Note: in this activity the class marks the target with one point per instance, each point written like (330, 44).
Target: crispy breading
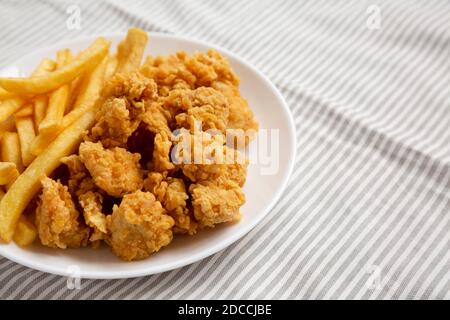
(156, 117)
(139, 226)
(216, 203)
(57, 219)
(116, 171)
(121, 112)
(188, 71)
(78, 174)
(171, 192)
(240, 116)
(205, 105)
(91, 202)
(161, 153)
(202, 156)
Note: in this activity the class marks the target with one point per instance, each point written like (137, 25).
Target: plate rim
(215, 248)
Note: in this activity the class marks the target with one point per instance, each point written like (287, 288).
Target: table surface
(367, 211)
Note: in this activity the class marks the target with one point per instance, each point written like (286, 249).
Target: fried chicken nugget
(240, 116)
(57, 219)
(203, 161)
(161, 153)
(205, 105)
(216, 203)
(157, 118)
(91, 202)
(139, 226)
(78, 175)
(171, 192)
(184, 71)
(125, 97)
(116, 171)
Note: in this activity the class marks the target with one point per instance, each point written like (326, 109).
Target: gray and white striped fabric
(367, 211)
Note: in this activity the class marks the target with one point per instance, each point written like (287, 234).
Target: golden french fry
(58, 99)
(6, 94)
(25, 111)
(131, 50)
(8, 125)
(28, 183)
(35, 85)
(11, 105)
(40, 108)
(111, 67)
(74, 90)
(25, 232)
(11, 149)
(89, 94)
(25, 130)
(46, 66)
(8, 172)
(42, 141)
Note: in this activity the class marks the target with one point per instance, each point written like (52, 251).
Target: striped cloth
(367, 212)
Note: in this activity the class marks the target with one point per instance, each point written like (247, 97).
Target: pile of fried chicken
(123, 187)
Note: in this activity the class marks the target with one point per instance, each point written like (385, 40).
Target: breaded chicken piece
(161, 153)
(116, 171)
(205, 157)
(205, 105)
(114, 123)
(240, 116)
(57, 219)
(188, 71)
(139, 226)
(119, 115)
(171, 192)
(216, 203)
(79, 179)
(91, 202)
(156, 118)
(135, 87)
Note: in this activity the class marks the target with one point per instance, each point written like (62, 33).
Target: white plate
(262, 190)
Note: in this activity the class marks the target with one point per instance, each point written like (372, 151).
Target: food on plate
(139, 226)
(99, 149)
(116, 171)
(25, 233)
(26, 132)
(28, 184)
(87, 60)
(8, 172)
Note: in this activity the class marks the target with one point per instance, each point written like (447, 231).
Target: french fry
(8, 172)
(75, 87)
(42, 84)
(28, 183)
(131, 50)
(25, 232)
(6, 94)
(40, 108)
(14, 103)
(44, 67)
(88, 95)
(58, 99)
(9, 106)
(7, 125)
(25, 111)
(25, 130)
(11, 149)
(111, 67)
